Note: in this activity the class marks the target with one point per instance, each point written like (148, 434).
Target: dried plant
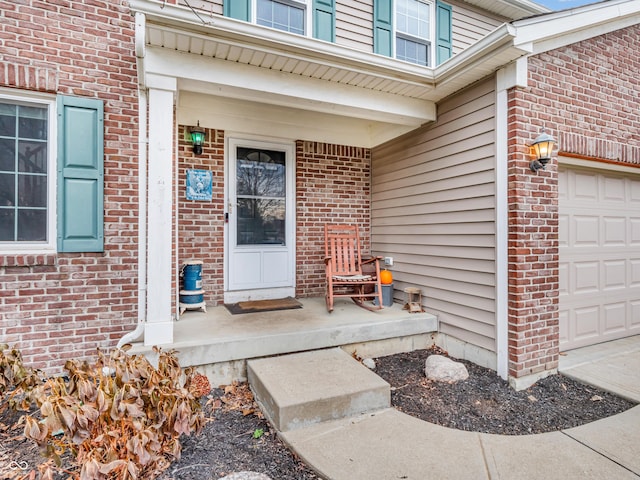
(121, 418)
(17, 382)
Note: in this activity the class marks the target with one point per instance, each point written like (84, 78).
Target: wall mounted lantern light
(542, 146)
(197, 138)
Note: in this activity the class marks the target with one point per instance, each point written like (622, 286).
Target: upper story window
(26, 177)
(303, 17)
(283, 15)
(413, 32)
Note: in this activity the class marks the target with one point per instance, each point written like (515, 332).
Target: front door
(260, 241)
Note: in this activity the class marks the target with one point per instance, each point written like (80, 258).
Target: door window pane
(261, 194)
(261, 221)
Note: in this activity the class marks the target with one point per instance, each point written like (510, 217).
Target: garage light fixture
(542, 147)
(197, 138)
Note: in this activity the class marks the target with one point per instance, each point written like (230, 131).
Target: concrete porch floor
(219, 343)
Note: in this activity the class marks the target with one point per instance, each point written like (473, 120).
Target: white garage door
(599, 230)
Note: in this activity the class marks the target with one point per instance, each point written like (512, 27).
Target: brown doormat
(263, 305)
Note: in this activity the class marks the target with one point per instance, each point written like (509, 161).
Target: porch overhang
(227, 70)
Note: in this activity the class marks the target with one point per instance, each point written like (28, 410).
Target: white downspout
(138, 333)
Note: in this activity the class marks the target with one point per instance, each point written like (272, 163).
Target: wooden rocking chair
(344, 268)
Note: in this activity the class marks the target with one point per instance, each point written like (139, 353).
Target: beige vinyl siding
(470, 25)
(433, 210)
(354, 24)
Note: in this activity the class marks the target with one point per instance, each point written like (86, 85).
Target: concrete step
(302, 389)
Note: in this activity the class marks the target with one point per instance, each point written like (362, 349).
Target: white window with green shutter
(303, 17)
(413, 30)
(51, 174)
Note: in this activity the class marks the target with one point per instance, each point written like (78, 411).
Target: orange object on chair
(344, 264)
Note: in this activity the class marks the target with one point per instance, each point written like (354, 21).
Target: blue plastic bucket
(191, 296)
(192, 275)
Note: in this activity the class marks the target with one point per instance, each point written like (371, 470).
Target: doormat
(255, 306)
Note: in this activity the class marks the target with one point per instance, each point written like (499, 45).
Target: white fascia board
(492, 52)
(234, 80)
(559, 29)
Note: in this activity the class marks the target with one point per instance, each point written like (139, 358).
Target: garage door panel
(635, 231)
(586, 277)
(613, 189)
(634, 322)
(586, 231)
(599, 269)
(615, 276)
(615, 316)
(585, 186)
(634, 192)
(587, 322)
(615, 231)
(635, 273)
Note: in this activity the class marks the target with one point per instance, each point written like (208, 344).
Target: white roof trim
(558, 29)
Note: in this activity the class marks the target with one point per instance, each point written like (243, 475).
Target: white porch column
(159, 325)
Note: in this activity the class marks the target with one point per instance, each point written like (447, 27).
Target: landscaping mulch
(237, 438)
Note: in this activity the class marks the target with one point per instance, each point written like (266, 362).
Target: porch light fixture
(542, 147)
(197, 138)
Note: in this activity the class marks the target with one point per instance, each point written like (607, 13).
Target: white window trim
(50, 246)
(308, 16)
(432, 33)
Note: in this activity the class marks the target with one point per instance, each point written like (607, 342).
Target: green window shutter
(324, 20)
(238, 9)
(444, 45)
(80, 175)
(383, 27)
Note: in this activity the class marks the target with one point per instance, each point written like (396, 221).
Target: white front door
(260, 240)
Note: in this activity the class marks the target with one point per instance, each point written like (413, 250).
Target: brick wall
(60, 306)
(333, 185)
(201, 223)
(586, 96)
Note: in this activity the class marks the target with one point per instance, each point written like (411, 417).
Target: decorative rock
(369, 363)
(246, 476)
(443, 369)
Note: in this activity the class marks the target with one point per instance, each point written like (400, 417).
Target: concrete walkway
(390, 445)
(612, 366)
(386, 444)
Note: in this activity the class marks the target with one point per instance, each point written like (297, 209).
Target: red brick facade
(201, 224)
(333, 185)
(585, 95)
(60, 306)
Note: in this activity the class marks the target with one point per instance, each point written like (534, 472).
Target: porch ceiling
(226, 58)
